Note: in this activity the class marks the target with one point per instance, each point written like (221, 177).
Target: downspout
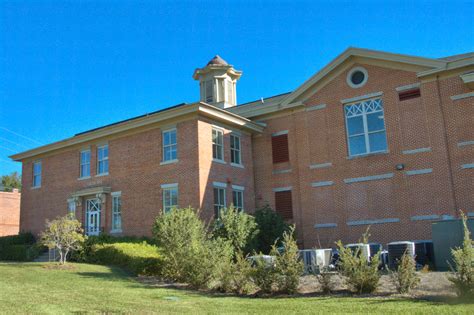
(446, 142)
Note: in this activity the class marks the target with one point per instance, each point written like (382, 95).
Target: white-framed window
(209, 89)
(235, 153)
(116, 212)
(217, 144)
(357, 77)
(103, 160)
(85, 170)
(219, 200)
(365, 125)
(170, 197)
(170, 146)
(71, 207)
(238, 199)
(37, 174)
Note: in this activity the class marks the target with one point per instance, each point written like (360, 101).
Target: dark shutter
(283, 204)
(406, 95)
(280, 149)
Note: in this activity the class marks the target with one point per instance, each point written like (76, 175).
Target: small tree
(325, 281)
(288, 266)
(235, 226)
(361, 276)
(463, 257)
(65, 234)
(271, 227)
(9, 182)
(405, 277)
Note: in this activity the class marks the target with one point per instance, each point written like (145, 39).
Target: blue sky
(69, 66)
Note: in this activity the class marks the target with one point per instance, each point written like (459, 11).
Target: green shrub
(190, 255)
(237, 227)
(288, 266)
(19, 247)
(19, 252)
(236, 276)
(271, 227)
(83, 254)
(138, 258)
(20, 239)
(263, 274)
(361, 276)
(463, 271)
(405, 277)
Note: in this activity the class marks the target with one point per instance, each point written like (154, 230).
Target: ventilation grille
(406, 95)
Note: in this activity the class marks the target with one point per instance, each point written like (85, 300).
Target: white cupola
(217, 81)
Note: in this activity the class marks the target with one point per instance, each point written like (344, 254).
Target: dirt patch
(432, 284)
(56, 266)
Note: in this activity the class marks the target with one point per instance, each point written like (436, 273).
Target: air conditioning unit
(269, 260)
(375, 248)
(364, 249)
(424, 253)
(396, 251)
(315, 259)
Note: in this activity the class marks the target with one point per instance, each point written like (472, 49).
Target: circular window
(357, 77)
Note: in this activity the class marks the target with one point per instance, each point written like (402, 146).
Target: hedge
(19, 247)
(138, 258)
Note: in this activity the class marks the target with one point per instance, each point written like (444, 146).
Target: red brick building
(9, 212)
(374, 138)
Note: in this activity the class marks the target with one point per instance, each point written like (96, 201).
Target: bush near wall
(19, 247)
(85, 252)
(138, 258)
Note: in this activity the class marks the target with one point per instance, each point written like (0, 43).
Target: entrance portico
(91, 208)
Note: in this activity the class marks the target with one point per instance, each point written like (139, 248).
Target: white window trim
(104, 159)
(366, 130)
(243, 198)
(221, 130)
(237, 187)
(219, 185)
(166, 187)
(351, 72)
(280, 133)
(169, 145)
(282, 189)
(33, 186)
(81, 164)
(234, 135)
(116, 194)
(224, 204)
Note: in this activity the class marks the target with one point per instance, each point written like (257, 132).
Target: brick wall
(416, 139)
(9, 213)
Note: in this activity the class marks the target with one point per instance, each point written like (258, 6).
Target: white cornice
(197, 108)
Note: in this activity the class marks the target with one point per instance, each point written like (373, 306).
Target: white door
(93, 216)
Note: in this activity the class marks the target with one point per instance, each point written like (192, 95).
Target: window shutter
(283, 204)
(406, 95)
(280, 149)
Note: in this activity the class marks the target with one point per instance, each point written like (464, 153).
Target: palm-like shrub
(361, 276)
(288, 266)
(405, 277)
(463, 257)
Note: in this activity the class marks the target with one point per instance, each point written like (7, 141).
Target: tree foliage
(190, 254)
(271, 227)
(237, 227)
(9, 182)
(361, 276)
(405, 277)
(64, 234)
(463, 257)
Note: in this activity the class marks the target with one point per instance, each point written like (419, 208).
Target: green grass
(31, 288)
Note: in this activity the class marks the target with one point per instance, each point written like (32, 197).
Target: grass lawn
(31, 288)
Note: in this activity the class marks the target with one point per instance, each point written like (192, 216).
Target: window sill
(115, 231)
(103, 174)
(219, 161)
(169, 162)
(35, 187)
(367, 155)
(84, 178)
(237, 165)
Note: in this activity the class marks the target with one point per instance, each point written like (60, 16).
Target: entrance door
(93, 216)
